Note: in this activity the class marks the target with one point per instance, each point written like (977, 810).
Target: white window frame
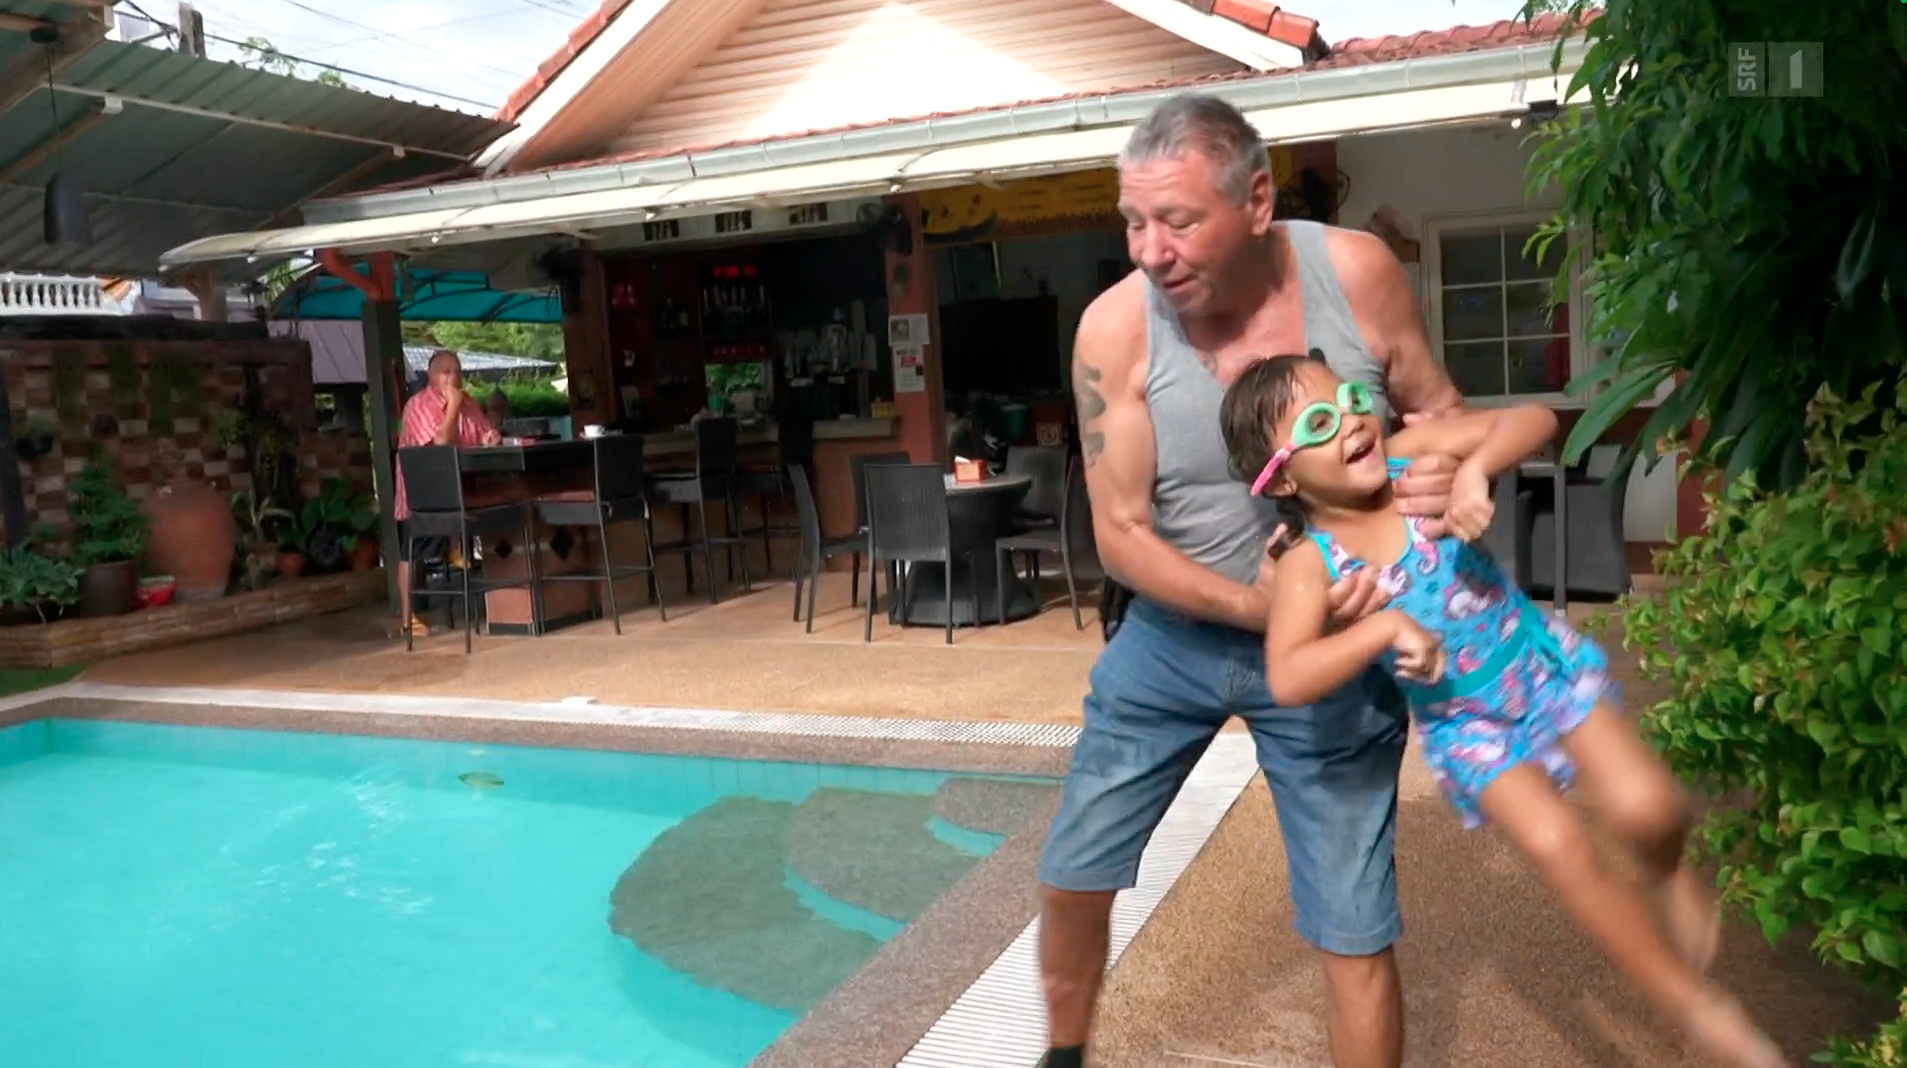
(1580, 359)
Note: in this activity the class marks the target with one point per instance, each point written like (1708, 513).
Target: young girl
(1509, 703)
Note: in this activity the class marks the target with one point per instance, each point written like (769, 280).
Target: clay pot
(109, 589)
(191, 539)
(364, 557)
(291, 564)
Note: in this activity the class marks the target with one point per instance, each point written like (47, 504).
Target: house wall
(800, 65)
(1428, 175)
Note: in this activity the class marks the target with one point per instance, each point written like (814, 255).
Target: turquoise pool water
(177, 896)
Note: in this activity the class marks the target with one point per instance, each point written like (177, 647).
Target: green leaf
(1856, 840)
(1857, 254)
(1882, 947)
(1826, 735)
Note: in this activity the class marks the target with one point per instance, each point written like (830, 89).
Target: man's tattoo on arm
(1092, 440)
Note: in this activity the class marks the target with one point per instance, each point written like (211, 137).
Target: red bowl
(156, 593)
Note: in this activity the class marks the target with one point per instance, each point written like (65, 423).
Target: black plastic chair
(794, 442)
(1045, 499)
(433, 482)
(714, 479)
(1072, 537)
(857, 480)
(817, 548)
(907, 523)
(620, 496)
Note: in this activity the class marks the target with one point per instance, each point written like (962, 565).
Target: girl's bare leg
(1526, 807)
(1636, 794)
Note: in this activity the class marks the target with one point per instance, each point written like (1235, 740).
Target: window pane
(1539, 365)
(1472, 258)
(1477, 369)
(1522, 264)
(1471, 314)
(1529, 314)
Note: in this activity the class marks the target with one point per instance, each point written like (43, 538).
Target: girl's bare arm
(1304, 660)
(1491, 439)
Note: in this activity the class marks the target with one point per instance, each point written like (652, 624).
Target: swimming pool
(213, 897)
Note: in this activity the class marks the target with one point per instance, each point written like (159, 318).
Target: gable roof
(1351, 52)
(1259, 16)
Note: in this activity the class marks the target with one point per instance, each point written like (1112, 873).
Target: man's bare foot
(1721, 1028)
(1692, 918)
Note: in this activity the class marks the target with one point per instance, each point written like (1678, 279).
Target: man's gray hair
(444, 354)
(1199, 122)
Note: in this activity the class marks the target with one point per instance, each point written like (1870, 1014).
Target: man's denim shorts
(1160, 692)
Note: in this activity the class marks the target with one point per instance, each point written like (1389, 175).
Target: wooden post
(384, 347)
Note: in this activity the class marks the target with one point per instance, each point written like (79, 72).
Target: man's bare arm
(1393, 325)
(1115, 432)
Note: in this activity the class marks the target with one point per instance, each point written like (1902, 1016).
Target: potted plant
(338, 525)
(35, 586)
(109, 535)
(37, 439)
(256, 546)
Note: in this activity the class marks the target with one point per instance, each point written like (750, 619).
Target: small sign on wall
(910, 368)
(907, 330)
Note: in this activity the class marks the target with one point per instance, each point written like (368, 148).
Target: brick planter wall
(79, 641)
(117, 416)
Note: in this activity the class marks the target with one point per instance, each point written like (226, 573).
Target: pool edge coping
(999, 1020)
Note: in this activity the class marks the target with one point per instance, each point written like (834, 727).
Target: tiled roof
(1508, 33)
(1286, 27)
(579, 39)
(1357, 51)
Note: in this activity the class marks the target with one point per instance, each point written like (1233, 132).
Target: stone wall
(157, 410)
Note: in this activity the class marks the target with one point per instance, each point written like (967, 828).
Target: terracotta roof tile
(579, 39)
(1458, 39)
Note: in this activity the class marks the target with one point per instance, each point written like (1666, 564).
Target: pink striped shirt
(423, 414)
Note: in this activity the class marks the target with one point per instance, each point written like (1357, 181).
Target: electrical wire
(348, 72)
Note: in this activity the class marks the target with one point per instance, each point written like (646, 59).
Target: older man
(1222, 284)
(440, 414)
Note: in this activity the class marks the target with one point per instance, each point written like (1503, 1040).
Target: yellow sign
(1086, 200)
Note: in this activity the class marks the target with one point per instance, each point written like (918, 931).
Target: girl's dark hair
(1253, 405)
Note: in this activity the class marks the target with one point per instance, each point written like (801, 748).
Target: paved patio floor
(1497, 978)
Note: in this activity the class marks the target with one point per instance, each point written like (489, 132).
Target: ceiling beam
(21, 23)
(265, 124)
(29, 72)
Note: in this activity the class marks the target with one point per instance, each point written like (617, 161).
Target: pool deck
(1495, 976)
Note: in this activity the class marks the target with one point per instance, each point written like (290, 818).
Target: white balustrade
(53, 294)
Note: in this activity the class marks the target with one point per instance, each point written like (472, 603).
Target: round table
(978, 514)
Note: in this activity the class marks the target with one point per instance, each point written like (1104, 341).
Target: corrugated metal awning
(169, 148)
(1008, 157)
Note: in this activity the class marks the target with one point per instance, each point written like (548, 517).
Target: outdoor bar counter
(542, 469)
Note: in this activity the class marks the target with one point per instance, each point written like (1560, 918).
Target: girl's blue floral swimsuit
(1516, 681)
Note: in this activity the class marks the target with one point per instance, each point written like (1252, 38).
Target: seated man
(440, 414)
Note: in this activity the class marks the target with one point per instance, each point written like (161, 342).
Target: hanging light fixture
(63, 217)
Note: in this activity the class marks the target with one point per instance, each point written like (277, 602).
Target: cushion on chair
(581, 496)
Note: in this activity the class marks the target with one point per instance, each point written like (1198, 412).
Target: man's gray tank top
(1198, 508)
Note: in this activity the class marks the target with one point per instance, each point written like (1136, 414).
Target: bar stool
(794, 441)
(713, 479)
(620, 496)
(433, 482)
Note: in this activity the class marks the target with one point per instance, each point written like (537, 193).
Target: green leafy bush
(530, 398)
(1782, 638)
(107, 526)
(33, 582)
(1749, 248)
